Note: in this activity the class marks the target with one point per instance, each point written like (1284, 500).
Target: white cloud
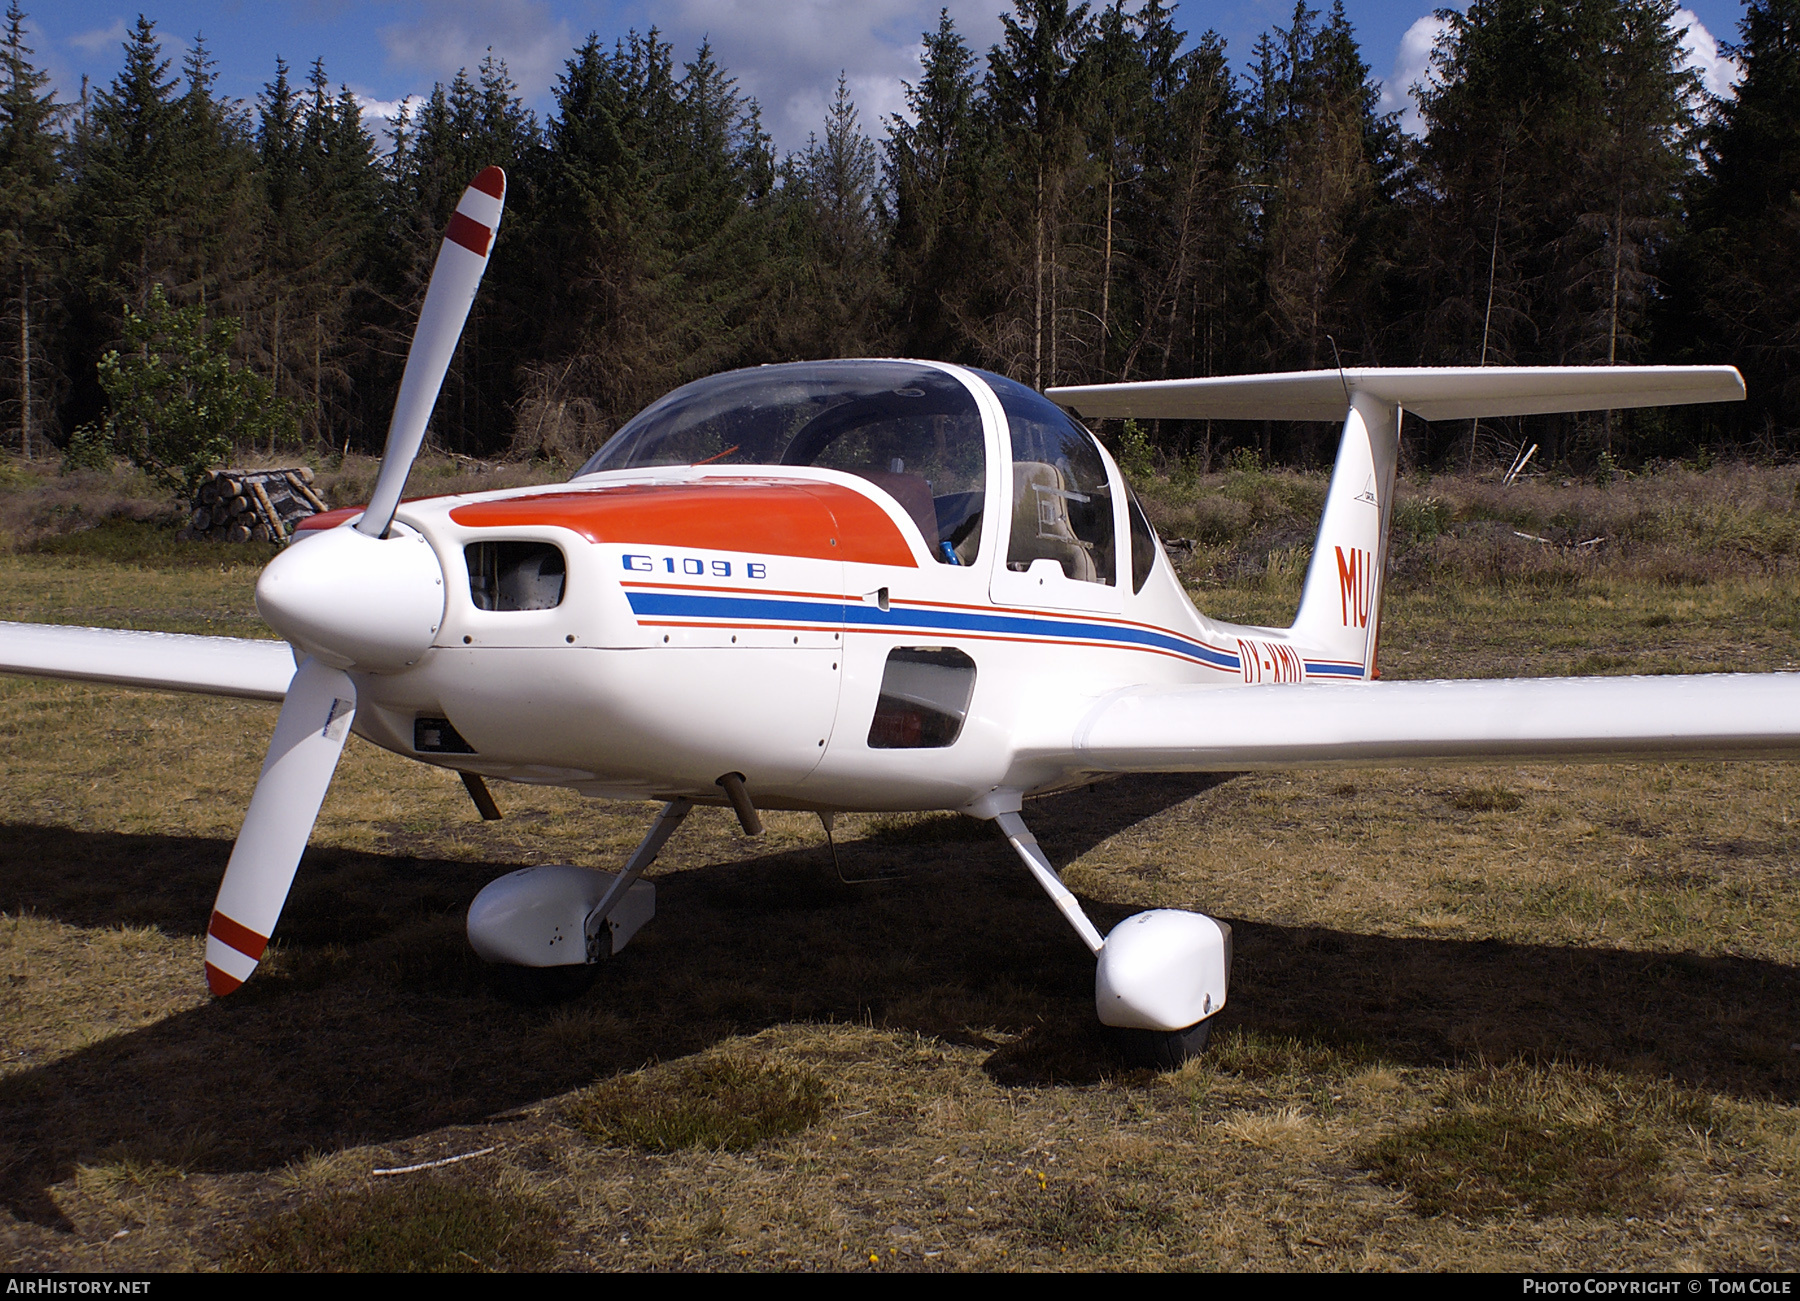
(378, 114)
(1718, 74)
(100, 38)
(1412, 67)
(787, 54)
(448, 35)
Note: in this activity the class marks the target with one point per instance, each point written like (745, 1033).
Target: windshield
(911, 430)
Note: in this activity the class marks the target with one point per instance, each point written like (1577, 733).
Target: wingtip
(492, 180)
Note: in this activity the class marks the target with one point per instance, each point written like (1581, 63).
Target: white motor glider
(863, 585)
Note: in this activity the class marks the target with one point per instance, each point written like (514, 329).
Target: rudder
(1340, 606)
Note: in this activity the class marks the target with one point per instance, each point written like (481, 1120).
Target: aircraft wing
(1236, 729)
(1430, 392)
(161, 661)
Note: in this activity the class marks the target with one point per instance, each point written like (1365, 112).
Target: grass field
(1481, 1018)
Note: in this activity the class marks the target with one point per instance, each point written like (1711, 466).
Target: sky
(786, 53)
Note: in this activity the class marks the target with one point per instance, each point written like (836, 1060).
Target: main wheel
(1162, 1050)
(542, 986)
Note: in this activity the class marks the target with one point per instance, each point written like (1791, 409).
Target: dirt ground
(1481, 1018)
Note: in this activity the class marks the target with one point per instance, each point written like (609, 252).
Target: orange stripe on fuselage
(817, 521)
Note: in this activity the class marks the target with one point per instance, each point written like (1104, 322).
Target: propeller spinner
(369, 598)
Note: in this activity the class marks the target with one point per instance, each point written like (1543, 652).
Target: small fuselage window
(515, 575)
(925, 693)
(1143, 543)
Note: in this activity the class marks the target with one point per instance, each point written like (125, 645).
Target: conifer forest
(1095, 198)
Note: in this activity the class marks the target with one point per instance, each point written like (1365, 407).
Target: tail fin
(1340, 607)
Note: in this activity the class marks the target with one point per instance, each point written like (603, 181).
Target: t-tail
(1339, 623)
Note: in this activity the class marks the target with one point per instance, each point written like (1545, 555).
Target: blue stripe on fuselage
(683, 605)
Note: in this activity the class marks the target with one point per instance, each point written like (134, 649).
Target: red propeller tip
(491, 181)
(220, 983)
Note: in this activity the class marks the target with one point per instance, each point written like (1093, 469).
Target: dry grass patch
(1253, 1055)
(1560, 1141)
(1109, 1220)
(1284, 1127)
(425, 1226)
(723, 1102)
(1485, 799)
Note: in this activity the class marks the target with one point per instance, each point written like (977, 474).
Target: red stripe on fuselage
(739, 591)
(812, 521)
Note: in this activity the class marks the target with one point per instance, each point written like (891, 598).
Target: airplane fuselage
(718, 620)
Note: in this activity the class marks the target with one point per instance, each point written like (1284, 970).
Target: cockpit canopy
(914, 431)
(911, 429)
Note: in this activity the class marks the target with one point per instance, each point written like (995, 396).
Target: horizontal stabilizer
(1432, 393)
(161, 661)
(1400, 724)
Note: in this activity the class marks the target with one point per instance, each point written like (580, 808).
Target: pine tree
(1180, 296)
(321, 185)
(129, 190)
(1321, 157)
(1037, 79)
(454, 135)
(719, 190)
(837, 292)
(607, 254)
(1741, 258)
(939, 245)
(31, 207)
(217, 239)
(1558, 139)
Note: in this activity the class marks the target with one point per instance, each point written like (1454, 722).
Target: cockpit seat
(1041, 529)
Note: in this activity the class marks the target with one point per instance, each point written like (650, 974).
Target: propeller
(303, 755)
(464, 256)
(347, 599)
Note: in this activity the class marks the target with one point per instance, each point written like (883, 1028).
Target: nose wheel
(542, 986)
(1161, 976)
(1161, 1050)
(546, 929)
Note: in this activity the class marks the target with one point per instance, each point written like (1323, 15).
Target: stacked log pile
(253, 505)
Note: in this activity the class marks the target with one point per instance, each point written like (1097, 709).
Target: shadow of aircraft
(373, 1023)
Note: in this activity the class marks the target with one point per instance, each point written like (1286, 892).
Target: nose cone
(355, 601)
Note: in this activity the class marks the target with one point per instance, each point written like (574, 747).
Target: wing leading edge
(1199, 729)
(160, 661)
(1431, 392)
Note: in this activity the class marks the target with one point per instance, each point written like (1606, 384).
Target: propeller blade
(309, 737)
(464, 256)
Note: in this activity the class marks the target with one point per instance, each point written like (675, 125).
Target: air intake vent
(436, 736)
(515, 575)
